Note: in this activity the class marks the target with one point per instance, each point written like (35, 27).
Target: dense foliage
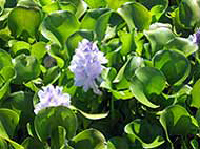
(95, 74)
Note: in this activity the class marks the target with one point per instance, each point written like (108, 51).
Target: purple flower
(196, 37)
(52, 97)
(87, 65)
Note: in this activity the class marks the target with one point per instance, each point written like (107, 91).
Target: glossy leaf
(27, 68)
(135, 15)
(175, 66)
(8, 126)
(89, 138)
(137, 89)
(89, 20)
(48, 120)
(152, 79)
(95, 3)
(57, 27)
(128, 43)
(157, 7)
(176, 120)
(188, 12)
(27, 28)
(141, 128)
(38, 50)
(158, 35)
(5, 59)
(2, 3)
(101, 25)
(185, 46)
(19, 46)
(117, 3)
(117, 142)
(195, 95)
(91, 116)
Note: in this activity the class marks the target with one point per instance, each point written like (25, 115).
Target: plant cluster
(97, 74)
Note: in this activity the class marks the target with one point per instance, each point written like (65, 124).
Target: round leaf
(158, 35)
(135, 15)
(141, 128)
(5, 59)
(90, 139)
(27, 28)
(27, 68)
(57, 27)
(48, 120)
(8, 124)
(176, 120)
(174, 65)
(152, 79)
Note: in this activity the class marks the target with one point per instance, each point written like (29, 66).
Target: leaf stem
(112, 108)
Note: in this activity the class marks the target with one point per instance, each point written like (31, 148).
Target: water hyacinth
(196, 37)
(87, 65)
(51, 96)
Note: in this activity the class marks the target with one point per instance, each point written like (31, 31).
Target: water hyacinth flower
(51, 96)
(87, 65)
(196, 37)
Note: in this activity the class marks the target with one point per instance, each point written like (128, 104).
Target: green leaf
(132, 65)
(158, 35)
(48, 120)
(91, 116)
(185, 46)
(31, 142)
(175, 66)
(137, 89)
(51, 7)
(90, 139)
(19, 46)
(188, 13)
(135, 15)
(3, 18)
(4, 89)
(117, 3)
(101, 25)
(38, 50)
(176, 120)
(58, 54)
(27, 28)
(195, 144)
(12, 143)
(120, 74)
(117, 142)
(8, 125)
(10, 3)
(109, 74)
(157, 7)
(125, 94)
(195, 95)
(8, 73)
(51, 75)
(2, 3)
(95, 3)
(27, 68)
(21, 101)
(5, 59)
(128, 43)
(142, 128)
(3, 144)
(57, 27)
(78, 4)
(90, 19)
(152, 79)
